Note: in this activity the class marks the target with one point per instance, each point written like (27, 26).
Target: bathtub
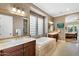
(44, 45)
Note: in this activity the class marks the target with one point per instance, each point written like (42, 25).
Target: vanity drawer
(14, 53)
(12, 49)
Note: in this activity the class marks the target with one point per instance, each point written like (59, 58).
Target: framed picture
(60, 25)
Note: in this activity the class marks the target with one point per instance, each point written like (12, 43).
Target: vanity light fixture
(17, 11)
(67, 9)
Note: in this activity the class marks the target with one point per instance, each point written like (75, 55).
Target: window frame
(38, 15)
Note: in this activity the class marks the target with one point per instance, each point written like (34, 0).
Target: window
(36, 24)
(33, 25)
(40, 26)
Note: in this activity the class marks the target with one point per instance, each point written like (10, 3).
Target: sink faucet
(16, 35)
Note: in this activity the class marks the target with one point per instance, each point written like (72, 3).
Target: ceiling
(58, 9)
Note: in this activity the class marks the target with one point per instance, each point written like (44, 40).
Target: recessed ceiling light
(67, 9)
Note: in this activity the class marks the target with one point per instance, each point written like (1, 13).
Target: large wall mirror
(12, 25)
(6, 25)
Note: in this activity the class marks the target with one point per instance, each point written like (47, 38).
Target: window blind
(33, 25)
(40, 26)
(36, 24)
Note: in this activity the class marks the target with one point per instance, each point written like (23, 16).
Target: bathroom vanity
(20, 47)
(54, 34)
(71, 35)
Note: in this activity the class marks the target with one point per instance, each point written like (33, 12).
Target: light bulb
(18, 11)
(67, 9)
(13, 9)
(23, 12)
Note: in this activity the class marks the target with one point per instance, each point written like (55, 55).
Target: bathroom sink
(4, 41)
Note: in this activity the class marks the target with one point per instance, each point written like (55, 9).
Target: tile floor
(66, 49)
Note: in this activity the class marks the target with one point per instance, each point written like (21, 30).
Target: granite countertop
(71, 32)
(7, 43)
(54, 32)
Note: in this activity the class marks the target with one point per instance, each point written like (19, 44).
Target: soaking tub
(44, 45)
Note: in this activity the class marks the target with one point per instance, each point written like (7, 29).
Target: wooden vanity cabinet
(26, 49)
(30, 48)
(13, 51)
(71, 36)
